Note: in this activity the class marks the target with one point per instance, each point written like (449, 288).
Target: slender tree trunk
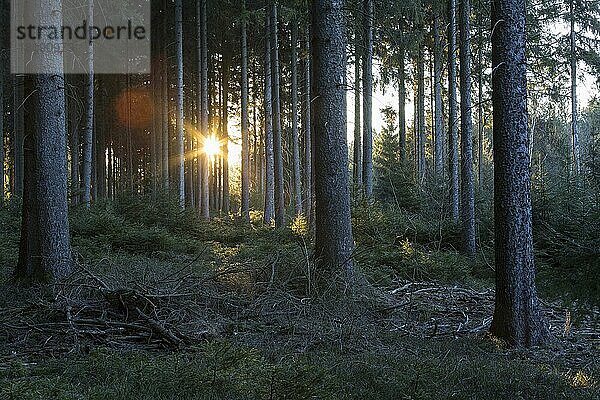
(333, 244)
(88, 133)
(453, 112)
(357, 157)
(308, 188)
(18, 135)
(165, 105)
(2, 82)
(517, 317)
(367, 161)
(269, 156)
(439, 122)
(277, 133)
(467, 179)
(204, 106)
(225, 140)
(245, 140)
(421, 131)
(480, 98)
(574, 122)
(44, 251)
(295, 130)
(179, 114)
(402, 103)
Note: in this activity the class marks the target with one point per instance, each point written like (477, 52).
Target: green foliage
(393, 179)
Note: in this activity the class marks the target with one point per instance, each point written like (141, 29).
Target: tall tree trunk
(467, 179)
(295, 131)
(438, 113)
(421, 130)
(453, 112)
(179, 114)
(333, 244)
(203, 39)
(44, 251)
(308, 188)
(480, 97)
(225, 130)
(357, 156)
(574, 122)
(88, 133)
(165, 104)
(245, 140)
(18, 135)
(269, 156)
(2, 82)
(277, 133)
(402, 103)
(517, 316)
(367, 161)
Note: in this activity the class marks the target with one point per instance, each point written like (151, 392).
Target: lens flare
(212, 146)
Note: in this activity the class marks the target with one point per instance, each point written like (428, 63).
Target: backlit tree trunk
(452, 112)
(245, 209)
(367, 156)
(269, 157)
(466, 136)
(295, 132)
(88, 133)
(179, 96)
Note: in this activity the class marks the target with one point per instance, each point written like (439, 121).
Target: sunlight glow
(212, 146)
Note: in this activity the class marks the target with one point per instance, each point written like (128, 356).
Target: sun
(212, 146)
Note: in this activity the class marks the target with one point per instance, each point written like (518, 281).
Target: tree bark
(402, 103)
(308, 188)
(333, 244)
(517, 317)
(357, 156)
(421, 133)
(439, 122)
(88, 133)
(295, 131)
(269, 156)
(18, 134)
(179, 111)
(367, 156)
(453, 113)
(44, 251)
(225, 131)
(277, 133)
(467, 179)
(203, 39)
(245, 209)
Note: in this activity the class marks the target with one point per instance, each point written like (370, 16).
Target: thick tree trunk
(357, 156)
(277, 133)
(333, 244)
(88, 133)
(367, 159)
(452, 113)
(44, 252)
(574, 123)
(467, 179)
(517, 317)
(269, 156)
(245, 209)
(308, 188)
(179, 111)
(295, 131)
(438, 113)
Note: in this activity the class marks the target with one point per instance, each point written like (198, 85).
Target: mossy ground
(131, 239)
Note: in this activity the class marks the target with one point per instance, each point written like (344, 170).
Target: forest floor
(163, 306)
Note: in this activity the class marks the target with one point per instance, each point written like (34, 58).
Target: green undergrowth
(409, 369)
